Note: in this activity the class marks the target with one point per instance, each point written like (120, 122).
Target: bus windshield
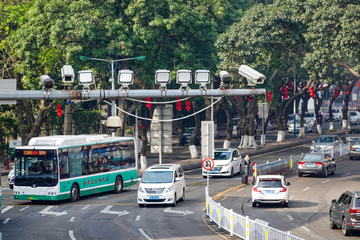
(36, 167)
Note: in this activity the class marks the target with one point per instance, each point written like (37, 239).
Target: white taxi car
(162, 184)
(270, 189)
(227, 162)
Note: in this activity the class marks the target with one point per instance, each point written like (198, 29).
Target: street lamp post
(113, 107)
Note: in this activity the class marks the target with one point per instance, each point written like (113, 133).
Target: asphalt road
(117, 216)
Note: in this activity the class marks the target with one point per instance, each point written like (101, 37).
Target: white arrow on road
(186, 212)
(46, 211)
(107, 210)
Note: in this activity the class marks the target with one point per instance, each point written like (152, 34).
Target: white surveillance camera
(47, 82)
(225, 77)
(67, 74)
(253, 76)
(113, 123)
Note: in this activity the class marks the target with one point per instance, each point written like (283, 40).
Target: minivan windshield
(354, 131)
(335, 110)
(309, 115)
(157, 177)
(353, 114)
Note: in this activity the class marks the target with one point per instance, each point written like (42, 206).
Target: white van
(162, 184)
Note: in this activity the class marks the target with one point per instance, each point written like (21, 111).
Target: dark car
(187, 134)
(345, 212)
(316, 163)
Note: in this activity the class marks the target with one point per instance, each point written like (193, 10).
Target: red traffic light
(178, 104)
(59, 110)
(148, 105)
(188, 105)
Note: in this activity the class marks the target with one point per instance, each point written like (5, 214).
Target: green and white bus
(68, 167)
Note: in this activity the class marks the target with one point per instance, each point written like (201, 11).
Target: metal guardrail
(283, 166)
(242, 226)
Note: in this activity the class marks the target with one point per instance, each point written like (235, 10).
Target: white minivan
(162, 184)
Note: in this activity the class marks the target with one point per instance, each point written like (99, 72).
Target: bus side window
(64, 164)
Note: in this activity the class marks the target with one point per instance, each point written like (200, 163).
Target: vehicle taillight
(301, 163)
(284, 189)
(352, 149)
(354, 211)
(255, 189)
(320, 164)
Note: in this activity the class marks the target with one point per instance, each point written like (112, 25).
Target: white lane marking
(194, 188)
(325, 181)
(346, 175)
(306, 229)
(24, 208)
(306, 189)
(102, 197)
(203, 180)
(144, 234)
(85, 207)
(6, 220)
(291, 197)
(304, 145)
(71, 234)
(72, 219)
(6, 209)
(138, 218)
(290, 217)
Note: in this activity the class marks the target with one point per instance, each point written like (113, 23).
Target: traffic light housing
(59, 110)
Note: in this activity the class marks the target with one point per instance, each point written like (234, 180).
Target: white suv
(162, 184)
(270, 189)
(227, 162)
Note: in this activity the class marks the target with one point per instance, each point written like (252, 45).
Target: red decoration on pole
(148, 105)
(268, 96)
(249, 98)
(178, 104)
(285, 92)
(188, 105)
(59, 110)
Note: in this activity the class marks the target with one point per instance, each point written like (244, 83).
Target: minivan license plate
(154, 197)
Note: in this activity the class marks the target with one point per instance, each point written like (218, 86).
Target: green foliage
(87, 122)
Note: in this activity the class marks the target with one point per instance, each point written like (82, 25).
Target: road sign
(208, 163)
(161, 132)
(263, 110)
(8, 85)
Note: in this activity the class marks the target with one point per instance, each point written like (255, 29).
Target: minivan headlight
(169, 189)
(141, 189)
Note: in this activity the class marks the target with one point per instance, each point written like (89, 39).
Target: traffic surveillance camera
(225, 77)
(253, 77)
(67, 74)
(47, 82)
(113, 123)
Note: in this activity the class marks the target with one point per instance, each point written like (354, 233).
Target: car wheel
(286, 204)
(345, 230)
(11, 186)
(253, 204)
(300, 174)
(232, 173)
(118, 184)
(183, 196)
(332, 224)
(306, 130)
(325, 173)
(141, 205)
(74, 193)
(174, 203)
(333, 172)
(351, 158)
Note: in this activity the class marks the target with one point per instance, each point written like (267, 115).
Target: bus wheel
(118, 184)
(74, 193)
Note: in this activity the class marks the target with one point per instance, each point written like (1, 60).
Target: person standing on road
(247, 163)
